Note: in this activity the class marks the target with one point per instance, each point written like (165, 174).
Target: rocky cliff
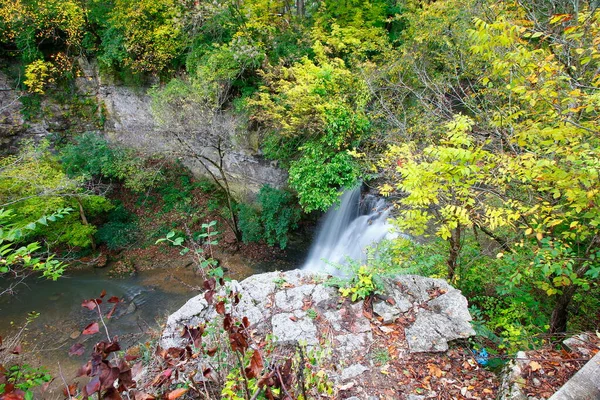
(127, 118)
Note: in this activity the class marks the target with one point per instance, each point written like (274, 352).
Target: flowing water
(347, 231)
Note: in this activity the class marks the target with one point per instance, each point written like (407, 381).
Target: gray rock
(387, 312)
(511, 385)
(288, 327)
(578, 343)
(432, 332)
(292, 299)
(415, 397)
(353, 371)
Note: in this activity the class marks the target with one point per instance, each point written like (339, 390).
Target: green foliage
(16, 255)
(91, 156)
(33, 184)
(361, 285)
(152, 32)
(275, 218)
(25, 377)
(120, 230)
(200, 248)
(278, 215)
(249, 223)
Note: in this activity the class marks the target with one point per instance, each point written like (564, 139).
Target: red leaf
(91, 329)
(211, 352)
(114, 299)
(177, 393)
(111, 312)
(102, 294)
(293, 318)
(17, 349)
(256, 366)
(76, 350)
(209, 295)
(92, 387)
(206, 372)
(112, 394)
(89, 304)
(245, 322)
(220, 307)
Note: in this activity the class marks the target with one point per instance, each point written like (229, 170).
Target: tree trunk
(560, 314)
(454, 241)
(84, 221)
(300, 8)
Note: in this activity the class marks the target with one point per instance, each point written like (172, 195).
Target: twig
(62, 377)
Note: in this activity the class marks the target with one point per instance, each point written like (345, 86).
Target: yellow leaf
(539, 236)
(534, 365)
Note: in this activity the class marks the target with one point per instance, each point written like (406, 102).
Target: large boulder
(298, 306)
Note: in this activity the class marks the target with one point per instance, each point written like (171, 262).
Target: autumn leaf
(102, 294)
(114, 299)
(177, 393)
(534, 365)
(17, 349)
(89, 304)
(91, 329)
(256, 365)
(434, 370)
(70, 390)
(76, 350)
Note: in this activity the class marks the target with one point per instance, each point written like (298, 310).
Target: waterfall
(347, 230)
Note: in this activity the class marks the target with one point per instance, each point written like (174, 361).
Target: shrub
(120, 230)
(279, 216)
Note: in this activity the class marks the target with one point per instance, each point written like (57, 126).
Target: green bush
(249, 223)
(276, 218)
(92, 156)
(120, 230)
(279, 215)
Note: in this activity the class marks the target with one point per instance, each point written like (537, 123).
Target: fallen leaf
(177, 393)
(17, 349)
(534, 365)
(435, 370)
(293, 318)
(102, 294)
(77, 349)
(347, 386)
(386, 329)
(89, 304)
(91, 329)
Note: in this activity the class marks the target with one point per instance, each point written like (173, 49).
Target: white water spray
(347, 231)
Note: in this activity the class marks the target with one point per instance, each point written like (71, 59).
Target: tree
(152, 32)
(315, 112)
(200, 132)
(535, 116)
(448, 187)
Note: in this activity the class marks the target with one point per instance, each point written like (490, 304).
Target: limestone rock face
(298, 306)
(131, 122)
